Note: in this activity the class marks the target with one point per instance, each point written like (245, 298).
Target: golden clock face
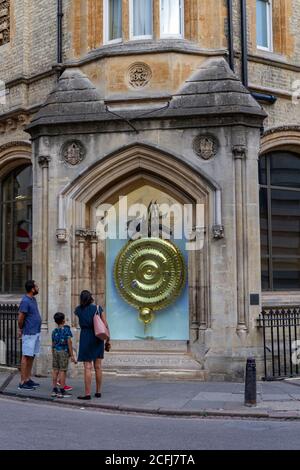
(150, 273)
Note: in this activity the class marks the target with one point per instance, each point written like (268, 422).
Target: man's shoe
(98, 395)
(85, 397)
(33, 384)
(25, 386)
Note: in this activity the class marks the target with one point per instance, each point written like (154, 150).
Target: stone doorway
(143, 175)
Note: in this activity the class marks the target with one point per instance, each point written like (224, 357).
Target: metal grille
(281, 338)
(10, 345)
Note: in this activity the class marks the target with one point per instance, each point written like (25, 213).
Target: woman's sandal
(85, 397)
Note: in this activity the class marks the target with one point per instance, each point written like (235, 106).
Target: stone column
(94, 243)
(193, 295)
(78, 266)
(44, 165)
(239, 154)
(81, 235)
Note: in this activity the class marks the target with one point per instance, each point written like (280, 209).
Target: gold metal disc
(150, 273)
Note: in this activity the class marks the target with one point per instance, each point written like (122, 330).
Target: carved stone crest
(73, 152)
(4, 21)
(205, 146)
(139, 75)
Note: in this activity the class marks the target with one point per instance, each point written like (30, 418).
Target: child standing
(62, 350)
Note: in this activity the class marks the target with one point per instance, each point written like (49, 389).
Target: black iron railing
(281, 340)
(10, 344)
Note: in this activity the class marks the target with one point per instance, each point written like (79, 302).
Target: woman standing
(91, 348)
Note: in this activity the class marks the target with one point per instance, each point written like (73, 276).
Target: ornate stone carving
(239, 151)
(139, 75)
(92, 235)
(218, 232)
(85, 233)
(81, 233)
(11, 125)
(73, 152)
(205, 146)
(4, 21)
(61, 235)
(44, 161)
(18, 121)
(14, 143)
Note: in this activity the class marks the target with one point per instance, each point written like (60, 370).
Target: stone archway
(115, 175)
(13, 155)
(281, 138)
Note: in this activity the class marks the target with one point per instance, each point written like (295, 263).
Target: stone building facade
(103, 99)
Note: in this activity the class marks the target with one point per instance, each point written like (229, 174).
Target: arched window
(279, 177)
(16, 230)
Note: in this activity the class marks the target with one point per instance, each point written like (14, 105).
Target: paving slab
(218, 396)
(174, 397)
(276, 397)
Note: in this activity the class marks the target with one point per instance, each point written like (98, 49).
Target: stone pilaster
(93, 242)
(239, 154)
(44, 166)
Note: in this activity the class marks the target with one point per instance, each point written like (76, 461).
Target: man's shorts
(60, 360)
(31, 345)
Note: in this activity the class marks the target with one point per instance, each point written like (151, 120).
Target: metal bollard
(250, 382)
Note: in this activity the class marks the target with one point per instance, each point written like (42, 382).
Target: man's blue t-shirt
(33, 321)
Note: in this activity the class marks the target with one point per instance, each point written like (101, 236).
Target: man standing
(29, 322)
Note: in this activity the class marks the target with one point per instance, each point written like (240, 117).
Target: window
(279, 174)
(141, 19)
(113, 20)
(264, 24)
(171, 18)
(16, 230)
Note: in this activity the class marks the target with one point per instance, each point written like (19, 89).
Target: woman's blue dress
(90, 347)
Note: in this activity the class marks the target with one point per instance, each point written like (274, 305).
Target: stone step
(156, 360)
(149, 345)
(153, 365)
(171, 374)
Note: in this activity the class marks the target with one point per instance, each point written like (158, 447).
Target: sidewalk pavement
(175, 397)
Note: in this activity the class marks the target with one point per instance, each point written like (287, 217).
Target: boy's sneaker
(63, 394)
(25, 386)
(33, 384)
(55, 392)
(67, 388)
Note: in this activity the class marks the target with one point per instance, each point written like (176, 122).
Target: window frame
(3, 263)
(106, 25)
(269, 187)
(131, 35)
(175, 36)
(269, 48)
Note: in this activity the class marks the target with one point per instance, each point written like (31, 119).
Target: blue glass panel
(171, 323)
(262, 23)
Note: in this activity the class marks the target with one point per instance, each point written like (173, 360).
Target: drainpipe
(59, 31)
(258, 96)
(244, 43)
(230, 34)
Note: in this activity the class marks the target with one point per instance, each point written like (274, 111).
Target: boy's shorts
(60, 360)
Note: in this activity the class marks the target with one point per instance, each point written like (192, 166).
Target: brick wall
(31, 50)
